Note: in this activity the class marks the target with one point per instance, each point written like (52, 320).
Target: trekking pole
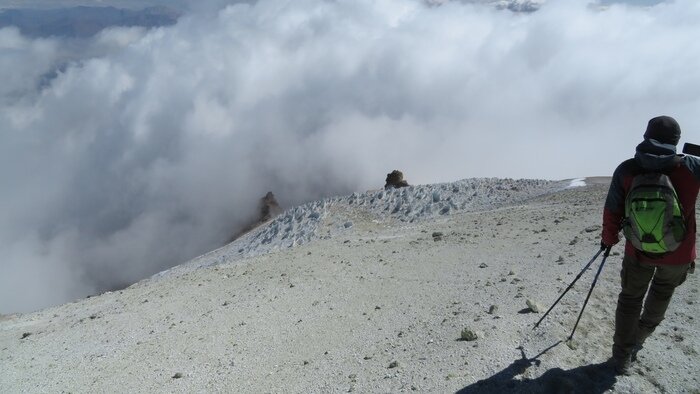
(569, 288)
(595, 279)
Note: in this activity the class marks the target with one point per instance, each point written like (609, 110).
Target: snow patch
(578, 182)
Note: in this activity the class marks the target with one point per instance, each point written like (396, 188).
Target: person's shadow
(590, 379)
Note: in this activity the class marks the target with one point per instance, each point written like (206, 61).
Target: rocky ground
(369, 300)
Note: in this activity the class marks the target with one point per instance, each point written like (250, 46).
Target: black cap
(664, 129)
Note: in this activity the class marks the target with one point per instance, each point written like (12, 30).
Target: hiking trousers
(631, 328)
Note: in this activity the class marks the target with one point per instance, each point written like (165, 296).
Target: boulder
(395, 179)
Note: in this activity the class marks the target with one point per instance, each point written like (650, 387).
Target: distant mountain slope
(512, 5)
(83, 21)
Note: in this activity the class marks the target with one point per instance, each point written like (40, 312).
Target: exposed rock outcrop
(269, 208)
(395, 179)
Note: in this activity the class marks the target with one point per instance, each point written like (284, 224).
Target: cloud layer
(138, 150)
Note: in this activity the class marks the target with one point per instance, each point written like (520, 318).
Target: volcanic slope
(353, 294)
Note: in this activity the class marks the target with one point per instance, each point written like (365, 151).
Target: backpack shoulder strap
(637, 169)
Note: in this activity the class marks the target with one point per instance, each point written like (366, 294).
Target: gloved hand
(605, 247)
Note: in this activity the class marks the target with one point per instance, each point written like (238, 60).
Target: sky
(136, 150)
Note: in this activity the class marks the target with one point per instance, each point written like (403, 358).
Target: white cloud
(147, 148)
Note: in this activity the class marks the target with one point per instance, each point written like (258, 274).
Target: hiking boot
(636, 350)
(622, 365)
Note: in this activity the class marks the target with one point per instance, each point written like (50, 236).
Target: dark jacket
(684, 172)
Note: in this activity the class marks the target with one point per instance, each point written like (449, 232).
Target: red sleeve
(612, 224)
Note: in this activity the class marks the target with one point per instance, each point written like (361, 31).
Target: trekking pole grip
(607, 251)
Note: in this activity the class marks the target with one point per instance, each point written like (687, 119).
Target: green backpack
(654, 221)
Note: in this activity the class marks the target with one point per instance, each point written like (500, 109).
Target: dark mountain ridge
(83, 21)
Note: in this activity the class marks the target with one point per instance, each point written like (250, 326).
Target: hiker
(646, 260)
